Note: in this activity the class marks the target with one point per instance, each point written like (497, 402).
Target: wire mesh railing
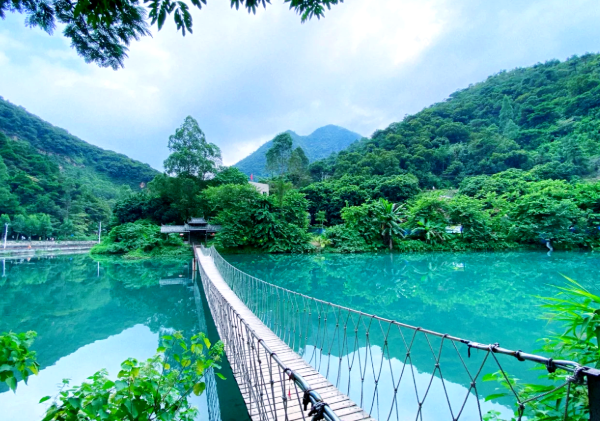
(392, 370)
(272, 390)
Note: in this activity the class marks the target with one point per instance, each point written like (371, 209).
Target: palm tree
(389, 217)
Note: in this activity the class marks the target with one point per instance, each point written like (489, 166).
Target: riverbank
(19, 248)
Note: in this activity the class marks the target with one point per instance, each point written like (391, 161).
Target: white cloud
(248, 77)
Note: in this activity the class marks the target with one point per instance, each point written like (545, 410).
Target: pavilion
(197, 229)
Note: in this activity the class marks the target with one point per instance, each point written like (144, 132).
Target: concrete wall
(30, 247)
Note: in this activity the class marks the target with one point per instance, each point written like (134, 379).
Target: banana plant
(389, 216)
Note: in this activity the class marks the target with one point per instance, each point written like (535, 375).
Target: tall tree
(18, 225)
(8, 201)
(45, 227)
(506, 112)
(191, 155)
(389, 217)
(278, 156)
(298, 168)
(101, 31)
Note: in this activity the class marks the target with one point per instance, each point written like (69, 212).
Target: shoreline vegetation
(141, 240)
(511, 162)
(508, 163)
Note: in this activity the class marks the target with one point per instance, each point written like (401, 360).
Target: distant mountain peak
(321, 143)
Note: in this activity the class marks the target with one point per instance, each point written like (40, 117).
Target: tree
(32, 226)
(191, 155)
(298, 168)
(101, 31)
(321, 218)
(45, 227)
(278, 156)
(389, 217)
(19, 225)
(506, 112)
(8, 201)
(66, 228)
(229, 175)
(279, 188)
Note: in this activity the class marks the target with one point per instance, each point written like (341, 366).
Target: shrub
(140, 239)
(17, 362)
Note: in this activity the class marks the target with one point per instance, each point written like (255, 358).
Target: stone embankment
(31, 247)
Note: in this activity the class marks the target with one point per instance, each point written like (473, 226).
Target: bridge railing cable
(274, 390)
(392, 369)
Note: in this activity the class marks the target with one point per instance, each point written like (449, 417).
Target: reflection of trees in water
(69, 305)
(487, 297)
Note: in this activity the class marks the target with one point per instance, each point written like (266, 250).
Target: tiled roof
(196, 221)
(167, 229)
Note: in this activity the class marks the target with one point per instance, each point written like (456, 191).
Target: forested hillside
(318, 145)
(52, 183)
(543, 118)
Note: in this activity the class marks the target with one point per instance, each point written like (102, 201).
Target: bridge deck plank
(272, 409)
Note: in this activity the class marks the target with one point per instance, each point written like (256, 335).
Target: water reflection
(94, 314)
(486, 297)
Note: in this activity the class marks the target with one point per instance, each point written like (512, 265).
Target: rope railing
(274, 391)
(391, 369)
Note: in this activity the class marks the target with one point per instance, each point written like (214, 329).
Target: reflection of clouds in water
(379, 402)
(136, 342)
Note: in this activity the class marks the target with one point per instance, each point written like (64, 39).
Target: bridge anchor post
(593, 381)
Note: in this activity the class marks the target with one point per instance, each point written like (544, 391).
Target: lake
(91, 315)
(483, 297)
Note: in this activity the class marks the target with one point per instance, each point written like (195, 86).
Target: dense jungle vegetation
(509, 162)
(53, 184)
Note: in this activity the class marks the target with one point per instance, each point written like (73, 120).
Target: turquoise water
(483, 297)
(91, 315)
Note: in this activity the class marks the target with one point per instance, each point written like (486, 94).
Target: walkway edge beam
(244, 335)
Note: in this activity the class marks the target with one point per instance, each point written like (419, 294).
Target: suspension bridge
(296, 357)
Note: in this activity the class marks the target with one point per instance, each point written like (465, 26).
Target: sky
(247, 77)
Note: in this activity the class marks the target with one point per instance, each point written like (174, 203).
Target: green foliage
(368, 227)
(318, 145)
(45, 170)
(333, 195)
(17, 362)
(191, 155)
(321, 218)
(578, 310)
(158, 388)
(229, 175)
(5, 225)
(542, 118)
(141, 239)
(251, 220)
(278, 155)
(102, 31)
(298, 168)
(389, 216)
(347, 240)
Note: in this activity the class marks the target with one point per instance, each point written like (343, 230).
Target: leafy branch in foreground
(101, 31)
(561, 396)
(157, 389)
(16, 360)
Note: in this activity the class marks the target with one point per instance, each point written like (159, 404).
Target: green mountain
(47, 172)
(544, 118)
(319, 144)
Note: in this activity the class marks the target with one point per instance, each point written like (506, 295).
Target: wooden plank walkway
(341, 404)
